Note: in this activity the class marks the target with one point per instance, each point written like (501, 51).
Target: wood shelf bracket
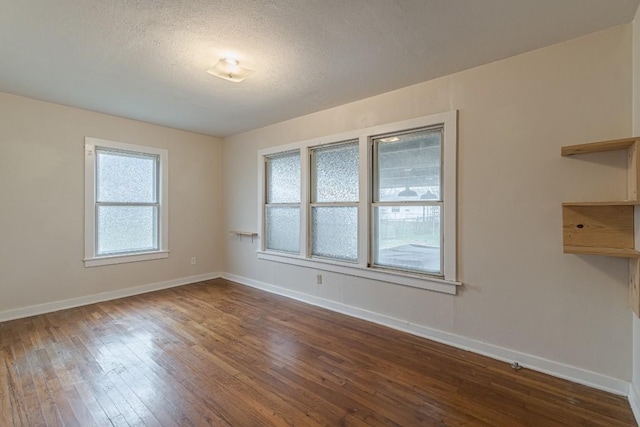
(242, 234)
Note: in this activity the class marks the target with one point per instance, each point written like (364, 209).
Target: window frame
(91, 257)
(266, 204)
(447, 282)
(374, 142)
(313, 203)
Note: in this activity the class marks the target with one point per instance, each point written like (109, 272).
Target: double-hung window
(334, 201)
(407, 201)
(282, 208)
(378, 203)
(126, 214)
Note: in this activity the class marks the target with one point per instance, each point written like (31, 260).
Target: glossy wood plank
(218, 353)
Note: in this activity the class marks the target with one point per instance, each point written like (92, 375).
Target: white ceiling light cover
(230, 69)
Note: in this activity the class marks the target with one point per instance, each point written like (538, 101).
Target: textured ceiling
(147, 59)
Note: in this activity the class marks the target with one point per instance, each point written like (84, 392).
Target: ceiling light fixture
(230, 69)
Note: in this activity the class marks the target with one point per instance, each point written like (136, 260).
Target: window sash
(268, 178)
(132, 154)
(377, 140)
(314, 203)
(108, 203)
(310, 250)
(375, 234)
(270, 204)
(156, 228)
(374, 246)
(313, 154)
(267, 229)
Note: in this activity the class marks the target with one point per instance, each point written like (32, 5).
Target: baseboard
(34, 310)
(634, 401)
(556, 369)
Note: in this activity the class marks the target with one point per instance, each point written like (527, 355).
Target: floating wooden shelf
(597, 147)
(586, 250)
(611, 203)
(607, 228)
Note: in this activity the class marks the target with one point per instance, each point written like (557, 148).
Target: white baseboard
(557, 369)
(634, 401)
(104, 296)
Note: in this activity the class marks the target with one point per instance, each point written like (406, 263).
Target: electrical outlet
(194, 261)
(319, 279)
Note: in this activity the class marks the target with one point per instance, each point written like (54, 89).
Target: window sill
(122, 258)
(404, 279)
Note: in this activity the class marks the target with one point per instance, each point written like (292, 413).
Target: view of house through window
(407, 202)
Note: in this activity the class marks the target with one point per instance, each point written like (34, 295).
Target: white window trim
(90, 258)
(448, 283)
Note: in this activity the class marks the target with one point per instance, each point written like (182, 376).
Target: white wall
(520, 291)
(42, 203)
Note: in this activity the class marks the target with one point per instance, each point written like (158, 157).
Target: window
(282, 210)
(334, 201)
(126, 214)
(378, 203)
(407, 201)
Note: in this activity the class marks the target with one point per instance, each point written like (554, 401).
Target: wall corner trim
(550, 367)
(49, 307)
(634, 401)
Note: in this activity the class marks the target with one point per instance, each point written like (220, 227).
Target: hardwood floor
(218, 353)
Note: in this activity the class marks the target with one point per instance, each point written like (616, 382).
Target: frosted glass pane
(335, 232)
(408, 237)
(283, 178)
(336, 173)
(124, 177)
(127, 229)
(283, 229)
(409, 166)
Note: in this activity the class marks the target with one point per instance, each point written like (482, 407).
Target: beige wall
(42, 203)
(520, 291)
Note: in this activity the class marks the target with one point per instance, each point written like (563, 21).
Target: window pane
(336, 173)
(283, 228)
(409, 166)
(126, 229)
(283, 178)
(124, 177)
(408, 237)
(335, 232)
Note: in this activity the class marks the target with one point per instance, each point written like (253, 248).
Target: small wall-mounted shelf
(598, 228)
(245, 234)
(607, 228)
(597, 147)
